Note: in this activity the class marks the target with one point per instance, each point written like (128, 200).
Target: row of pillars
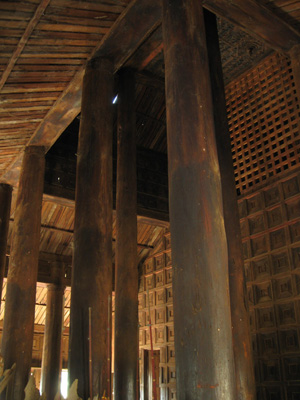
(212, 339)
(18, 328)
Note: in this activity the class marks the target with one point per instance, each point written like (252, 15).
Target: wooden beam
(138, 20)
(133, 27)
(257, 20)
(251, 16)
(147, 52)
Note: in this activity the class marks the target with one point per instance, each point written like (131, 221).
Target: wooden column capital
(6, 186)
(34, 149)
(103, 63)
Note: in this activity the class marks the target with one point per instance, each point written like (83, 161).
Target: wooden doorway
(148, 378)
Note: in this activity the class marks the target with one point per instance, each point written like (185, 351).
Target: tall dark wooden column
(18, 325)
(5, 203)
(53, 334)
(126, 286)
(202, 322)
(295, 63)
(92, 264)
(244, 368)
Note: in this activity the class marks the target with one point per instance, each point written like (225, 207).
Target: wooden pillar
(5, 203)
(295, 63)
(126, 286)
(202, 322)
(92, 263)
(18, 325)
(244, 368)
(53, 334)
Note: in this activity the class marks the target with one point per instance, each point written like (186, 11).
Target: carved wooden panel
(157, 278)
(270, 222)
(263, 120)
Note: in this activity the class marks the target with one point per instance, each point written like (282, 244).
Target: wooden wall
(263, 115)
(156, 285)
(270, 223)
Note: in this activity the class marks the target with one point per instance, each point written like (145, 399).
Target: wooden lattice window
(263, 117)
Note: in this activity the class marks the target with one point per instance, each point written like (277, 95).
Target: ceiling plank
(20, 47)
(143, 219)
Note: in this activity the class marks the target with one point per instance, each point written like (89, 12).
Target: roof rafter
(257, 20)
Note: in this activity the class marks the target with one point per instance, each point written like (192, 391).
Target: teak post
(18, 325)
(53, 334)
(295, 63)
(5, 203)
(244, 368)
(126, 286)
(92, 263)
(202, 322)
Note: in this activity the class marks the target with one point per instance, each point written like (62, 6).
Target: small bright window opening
(115, 99)
(64, 383)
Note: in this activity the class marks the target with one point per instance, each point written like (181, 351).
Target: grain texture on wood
(244, 367)
(126, 278)
(5, 203)
(51, 359)
(202, 321)
(92, 263)
(17, 337)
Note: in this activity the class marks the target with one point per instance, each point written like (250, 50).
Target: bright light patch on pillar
(115, 99)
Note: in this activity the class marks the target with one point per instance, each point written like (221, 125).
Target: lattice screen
(264, 121)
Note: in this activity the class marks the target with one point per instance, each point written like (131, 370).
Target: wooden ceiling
(57, 227)
(44, 47)
(40, 305)
(45, 44)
